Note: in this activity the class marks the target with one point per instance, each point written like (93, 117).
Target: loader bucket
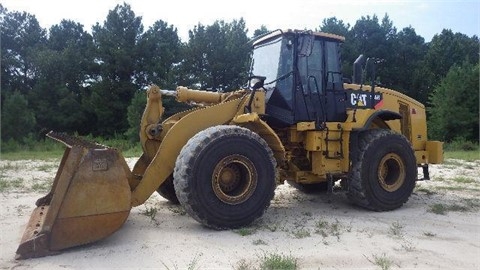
(89, 200)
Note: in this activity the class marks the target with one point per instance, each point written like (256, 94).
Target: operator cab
(303, 78)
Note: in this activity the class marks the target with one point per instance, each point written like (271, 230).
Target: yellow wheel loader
(298, 121)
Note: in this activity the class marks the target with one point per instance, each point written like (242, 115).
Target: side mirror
(257, 82)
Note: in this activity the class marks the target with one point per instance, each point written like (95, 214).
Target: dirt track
(438, 228)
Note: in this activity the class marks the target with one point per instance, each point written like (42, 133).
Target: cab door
(309, 80)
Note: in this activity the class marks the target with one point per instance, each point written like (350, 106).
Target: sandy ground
(438, 228)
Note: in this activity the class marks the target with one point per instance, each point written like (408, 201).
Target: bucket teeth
(71, 141)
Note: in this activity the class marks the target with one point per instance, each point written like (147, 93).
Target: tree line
(68, 79)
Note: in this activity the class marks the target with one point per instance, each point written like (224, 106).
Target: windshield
(274, 60)
(266, 58)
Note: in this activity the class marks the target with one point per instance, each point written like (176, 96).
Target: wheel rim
(234, 179)
(391, 172)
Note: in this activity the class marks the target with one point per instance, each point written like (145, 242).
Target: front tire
(383, 172)
(225, 177)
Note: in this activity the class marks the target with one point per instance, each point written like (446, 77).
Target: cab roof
(280, 32)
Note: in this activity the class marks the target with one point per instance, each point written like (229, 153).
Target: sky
(427, 17)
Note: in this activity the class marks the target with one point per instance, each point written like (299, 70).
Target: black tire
(225, 177)
(167, 190)
(383, 172)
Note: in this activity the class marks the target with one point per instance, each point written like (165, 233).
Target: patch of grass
(442, 209)
(271, 227)
(243, 265)
(427, 192)
(41, 186)
(458, 188)
(471, 203)
(50, 149)
(245, 231)
(134, 151)
(259, 242)
(463, 155)
(10, 166)
(458, 208)
(301, 233)
(46, 167)
(37, 155)
(17, 183)
(438, 208)
(460, 144)
(150, 212)
(463, 180)
(21, 208)
(408, 246)
(382, 261)
(194, 263)
(453, 162)
(275, 261)
(325, 228)
(396, 229)
(4, 185)
(31, 148)
(176, 209)
(308, 214)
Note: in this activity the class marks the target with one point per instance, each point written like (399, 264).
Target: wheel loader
(298, 120)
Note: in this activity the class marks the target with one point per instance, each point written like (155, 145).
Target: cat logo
(359, 100)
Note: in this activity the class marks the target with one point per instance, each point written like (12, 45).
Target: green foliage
(335, 26)
(18, 118)
(172, 106)
(74, 81)
(455, 105)
(108, 103)
(134, 115)
(260, 31)
(406, 69)
(116, 54)
(448, 49)
(460, 144)
(21, 37)
(245, 231)
(116, 44)
(275, 261)
(382, 261)
(443, 209)
(32, 148)
(374, 38)
(463, 155)
(160, 50)
(216, 56)
(56, 107)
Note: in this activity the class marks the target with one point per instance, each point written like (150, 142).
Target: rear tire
(225, 177)
(383, 172)
(167, 190)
